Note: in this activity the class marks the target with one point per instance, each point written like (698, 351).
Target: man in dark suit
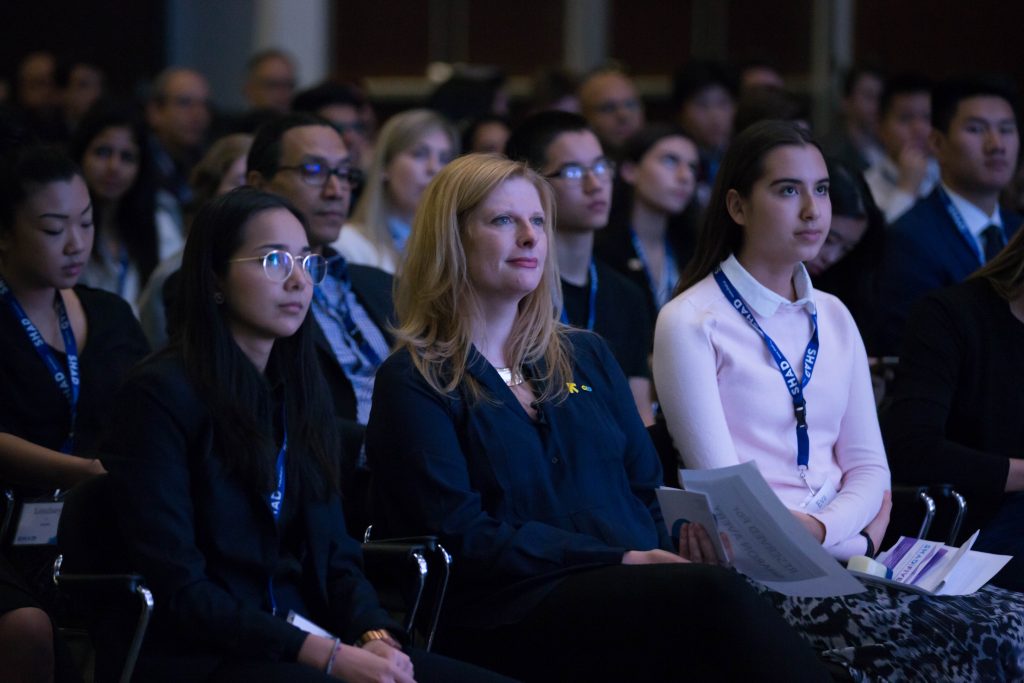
(303, 158)
(959, 226)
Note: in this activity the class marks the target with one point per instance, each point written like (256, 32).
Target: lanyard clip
(800, 410)
(802, 470)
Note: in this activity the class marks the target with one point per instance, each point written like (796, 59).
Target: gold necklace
(511, 379)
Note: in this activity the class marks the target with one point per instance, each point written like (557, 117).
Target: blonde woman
(411, 148)
(516, 440)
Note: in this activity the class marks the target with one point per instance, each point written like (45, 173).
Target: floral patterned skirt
(886, 634)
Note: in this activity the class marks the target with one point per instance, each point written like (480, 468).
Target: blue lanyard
(668, 271)
(123, 264)
(351, 329)
(961, 226)
(276, 497)
(793, 385)
(68, 383)
(592, 314)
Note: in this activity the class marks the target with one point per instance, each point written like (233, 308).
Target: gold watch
(378, 634)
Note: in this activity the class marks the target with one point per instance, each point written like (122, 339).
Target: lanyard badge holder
(37, 522)
(793, 385)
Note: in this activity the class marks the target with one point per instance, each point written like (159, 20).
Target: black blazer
(207, 545)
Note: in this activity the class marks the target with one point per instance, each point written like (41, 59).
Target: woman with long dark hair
(63, 350)
(752, 363)
(223, 461)
(132, 235)
(646, 239)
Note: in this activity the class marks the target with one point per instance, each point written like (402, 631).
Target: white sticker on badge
(38, 523)
(816, 502)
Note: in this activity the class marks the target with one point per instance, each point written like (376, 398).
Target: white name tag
(299, 621)
(816, 502)
(38, 523)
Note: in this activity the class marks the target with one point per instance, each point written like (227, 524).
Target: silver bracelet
(334, 655)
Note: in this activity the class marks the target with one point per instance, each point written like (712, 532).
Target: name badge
(816, 502)
(300, 622)
(38, 523)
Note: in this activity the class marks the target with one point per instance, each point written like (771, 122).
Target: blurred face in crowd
(666, 177)
(844, 234)
(412, 169)
(861, 105)
(85, 85)
(51, 239)
(37, 82)
(324, 204)
(490, 137)
(610, 104)
(233, 177)
(584, 202)
(349, 124)
(907, 123)
(978, 154)
(761, 77)
(111, 163)
(271, 84)
(708, 117)
(180, 115)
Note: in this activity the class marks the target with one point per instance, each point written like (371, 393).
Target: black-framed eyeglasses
(316, 174)
(603, 169)
(278, 265)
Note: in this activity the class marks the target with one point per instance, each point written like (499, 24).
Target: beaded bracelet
(334, 655)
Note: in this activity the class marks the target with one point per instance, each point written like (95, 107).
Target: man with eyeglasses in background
(564, 149)
(613, 109)
(302, 158)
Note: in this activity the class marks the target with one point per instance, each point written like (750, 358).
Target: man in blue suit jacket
(959, 226)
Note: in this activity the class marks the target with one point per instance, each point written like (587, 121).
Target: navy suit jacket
(207, 544)
(924, 251)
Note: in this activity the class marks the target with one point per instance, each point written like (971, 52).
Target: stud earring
(218, 298)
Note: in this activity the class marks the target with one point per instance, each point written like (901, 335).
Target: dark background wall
(133, 39)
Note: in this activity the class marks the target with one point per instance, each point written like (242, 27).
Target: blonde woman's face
(506, 244)
(412, 169)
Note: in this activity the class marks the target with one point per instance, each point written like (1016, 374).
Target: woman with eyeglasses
(223, 460)
(410, 149)
(64, 348)
(644, 240)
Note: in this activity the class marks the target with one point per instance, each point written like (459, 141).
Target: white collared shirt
(762, 300)
(975, 219)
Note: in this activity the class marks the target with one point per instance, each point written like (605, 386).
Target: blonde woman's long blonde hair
(435, 301)
(401, 132)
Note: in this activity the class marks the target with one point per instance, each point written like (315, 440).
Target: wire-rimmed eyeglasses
(278, 265)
